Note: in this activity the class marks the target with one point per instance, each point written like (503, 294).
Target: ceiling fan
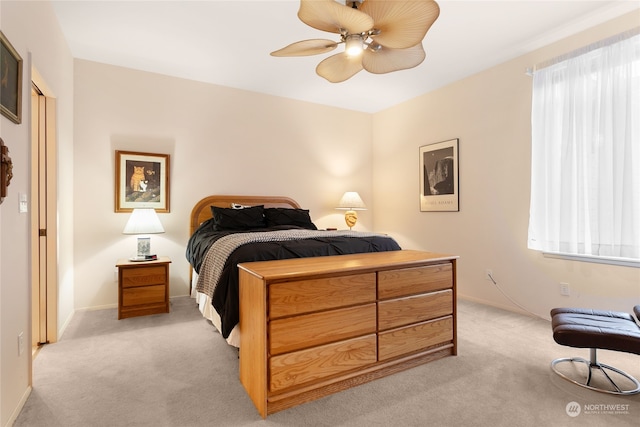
(380, 36)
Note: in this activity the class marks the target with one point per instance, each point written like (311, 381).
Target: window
(585, 160)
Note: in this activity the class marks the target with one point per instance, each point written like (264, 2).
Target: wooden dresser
(314, 326)
(143, 287)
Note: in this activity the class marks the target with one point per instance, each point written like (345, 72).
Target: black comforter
(226, 295)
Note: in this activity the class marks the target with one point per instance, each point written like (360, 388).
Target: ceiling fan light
(353, 45)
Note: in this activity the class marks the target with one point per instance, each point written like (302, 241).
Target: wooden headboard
(202, 210)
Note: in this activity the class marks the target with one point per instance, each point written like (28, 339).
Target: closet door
(43, 219)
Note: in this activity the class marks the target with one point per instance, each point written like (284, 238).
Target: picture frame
(10, 81)
(439, 189)
(142, 181)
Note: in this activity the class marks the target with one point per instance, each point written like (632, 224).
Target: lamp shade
(351, 201)
(143, 221)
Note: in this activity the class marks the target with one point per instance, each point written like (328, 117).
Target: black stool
(594, 329)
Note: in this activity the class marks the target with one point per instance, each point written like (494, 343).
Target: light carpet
(176, 370)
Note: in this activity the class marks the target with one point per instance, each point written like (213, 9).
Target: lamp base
(350, 217)
(144, 246)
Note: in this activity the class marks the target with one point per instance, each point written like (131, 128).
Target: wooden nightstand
(143, 287)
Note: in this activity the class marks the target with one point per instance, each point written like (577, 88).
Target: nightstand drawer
(143, 295)
(144, 276)
(143, 287)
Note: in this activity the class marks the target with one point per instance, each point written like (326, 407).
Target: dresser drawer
(414, 309)
(153, 275)
(295, 333)
(417, 280)
(416, 337)
(143, 295)
(300, 367)
(305, 296)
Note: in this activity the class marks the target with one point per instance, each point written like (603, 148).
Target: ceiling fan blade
(306, 48)
(387, 60)
(339, 67)
(327, 15)
(402, 23)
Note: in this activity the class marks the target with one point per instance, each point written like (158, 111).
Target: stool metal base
(594, 364)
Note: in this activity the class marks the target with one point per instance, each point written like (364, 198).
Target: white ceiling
(228, 43)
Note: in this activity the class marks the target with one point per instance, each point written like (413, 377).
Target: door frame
(44, 274)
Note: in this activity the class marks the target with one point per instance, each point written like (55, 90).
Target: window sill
(623, 262)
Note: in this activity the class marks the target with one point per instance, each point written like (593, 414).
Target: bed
(312, 324)
(256, 228)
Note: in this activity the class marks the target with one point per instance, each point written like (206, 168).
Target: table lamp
(351, 202)
(143, 221)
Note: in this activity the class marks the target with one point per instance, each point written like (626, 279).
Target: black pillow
(287, 216)
(238, 219)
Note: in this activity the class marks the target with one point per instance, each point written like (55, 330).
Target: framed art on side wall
(142, 181)
(439, 177)
(10, 81)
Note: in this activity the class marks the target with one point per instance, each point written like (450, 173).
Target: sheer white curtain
(585, 166)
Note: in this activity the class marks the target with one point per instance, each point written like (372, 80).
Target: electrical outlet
(564, 289)
(20, 343)
(488, 275)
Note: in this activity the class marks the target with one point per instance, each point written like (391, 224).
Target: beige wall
(221, 141)
(32, 29)
(490, 114)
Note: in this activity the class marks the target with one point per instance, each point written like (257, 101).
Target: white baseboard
(510, 308)
(65, 324)
(14, 416)
(97, 307)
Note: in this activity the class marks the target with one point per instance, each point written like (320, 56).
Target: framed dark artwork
(439, 177)
(10, 81)
(142, 181)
